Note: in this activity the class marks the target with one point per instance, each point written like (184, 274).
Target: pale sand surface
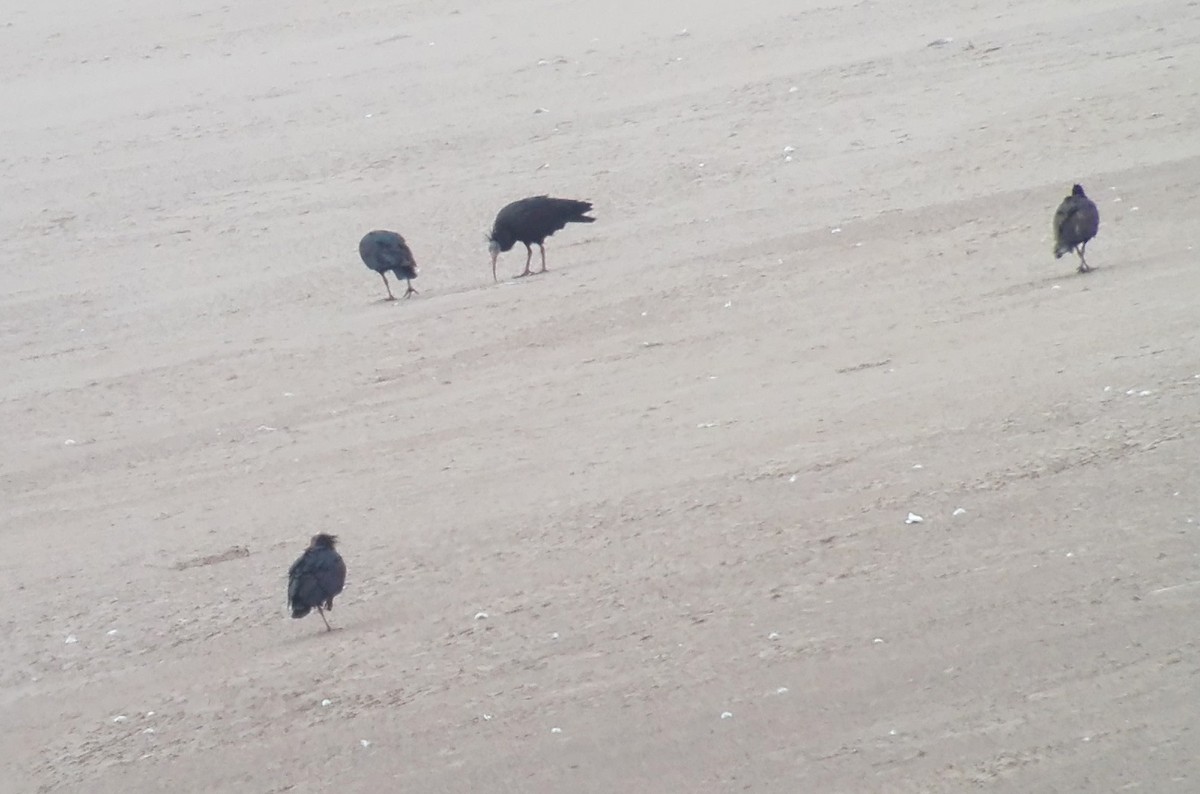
(674, 472)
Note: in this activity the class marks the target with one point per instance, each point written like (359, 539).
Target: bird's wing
(550, 215)
(297, 565)
(510, 213)
(395, 253)
(330, 571)
(1065, 210)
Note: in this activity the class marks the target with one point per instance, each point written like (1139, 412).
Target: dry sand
(674, 472)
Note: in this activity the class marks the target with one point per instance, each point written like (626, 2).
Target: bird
(316, 577)
(383, 251)
(1075, 222)
(530, 221)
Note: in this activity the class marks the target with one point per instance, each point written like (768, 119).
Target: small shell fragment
(913, 518)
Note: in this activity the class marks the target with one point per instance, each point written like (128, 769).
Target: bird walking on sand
(316, 577)
(383, 251)
(1075, 222)
(530, 221)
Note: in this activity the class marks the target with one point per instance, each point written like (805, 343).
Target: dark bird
(383, 251)
(530, 221)
(315, 578)
(1076, 221)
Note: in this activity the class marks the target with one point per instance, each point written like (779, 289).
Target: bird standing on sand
(1076, 221)
(383, 251)
(315, 578)
(530, 221)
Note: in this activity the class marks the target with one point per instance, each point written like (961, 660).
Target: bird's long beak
(495, 256)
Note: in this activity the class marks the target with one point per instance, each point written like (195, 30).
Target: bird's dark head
(1077, 190)
(323, 541)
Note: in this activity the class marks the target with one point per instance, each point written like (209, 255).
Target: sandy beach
(642, 523)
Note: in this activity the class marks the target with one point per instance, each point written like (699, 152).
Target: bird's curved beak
(495, 256)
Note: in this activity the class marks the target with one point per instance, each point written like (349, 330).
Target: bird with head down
(530, 221)
(383, 251)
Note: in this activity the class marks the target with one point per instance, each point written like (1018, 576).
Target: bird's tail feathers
(580, 210)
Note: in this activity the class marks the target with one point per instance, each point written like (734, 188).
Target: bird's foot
(523, 275)
(411, 292)
(1084, 268)
(388, 299)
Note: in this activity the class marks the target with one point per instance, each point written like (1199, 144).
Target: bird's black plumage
(316, 577)
(1075, 222)
(530, 221)
(383, 251)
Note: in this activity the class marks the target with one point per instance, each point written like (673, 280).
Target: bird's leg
(528, 259)
(1083, 265)
(410, 291)
(390, 296)
(542, 248)
(321, 612)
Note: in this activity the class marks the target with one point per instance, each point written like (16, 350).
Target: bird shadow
(508, 281)
(531, 278)
(311, 636)
(1041, 283)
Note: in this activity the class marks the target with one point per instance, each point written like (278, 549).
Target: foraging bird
(383, 251)
(1076, 221)
(532, 220)
(315, 578)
